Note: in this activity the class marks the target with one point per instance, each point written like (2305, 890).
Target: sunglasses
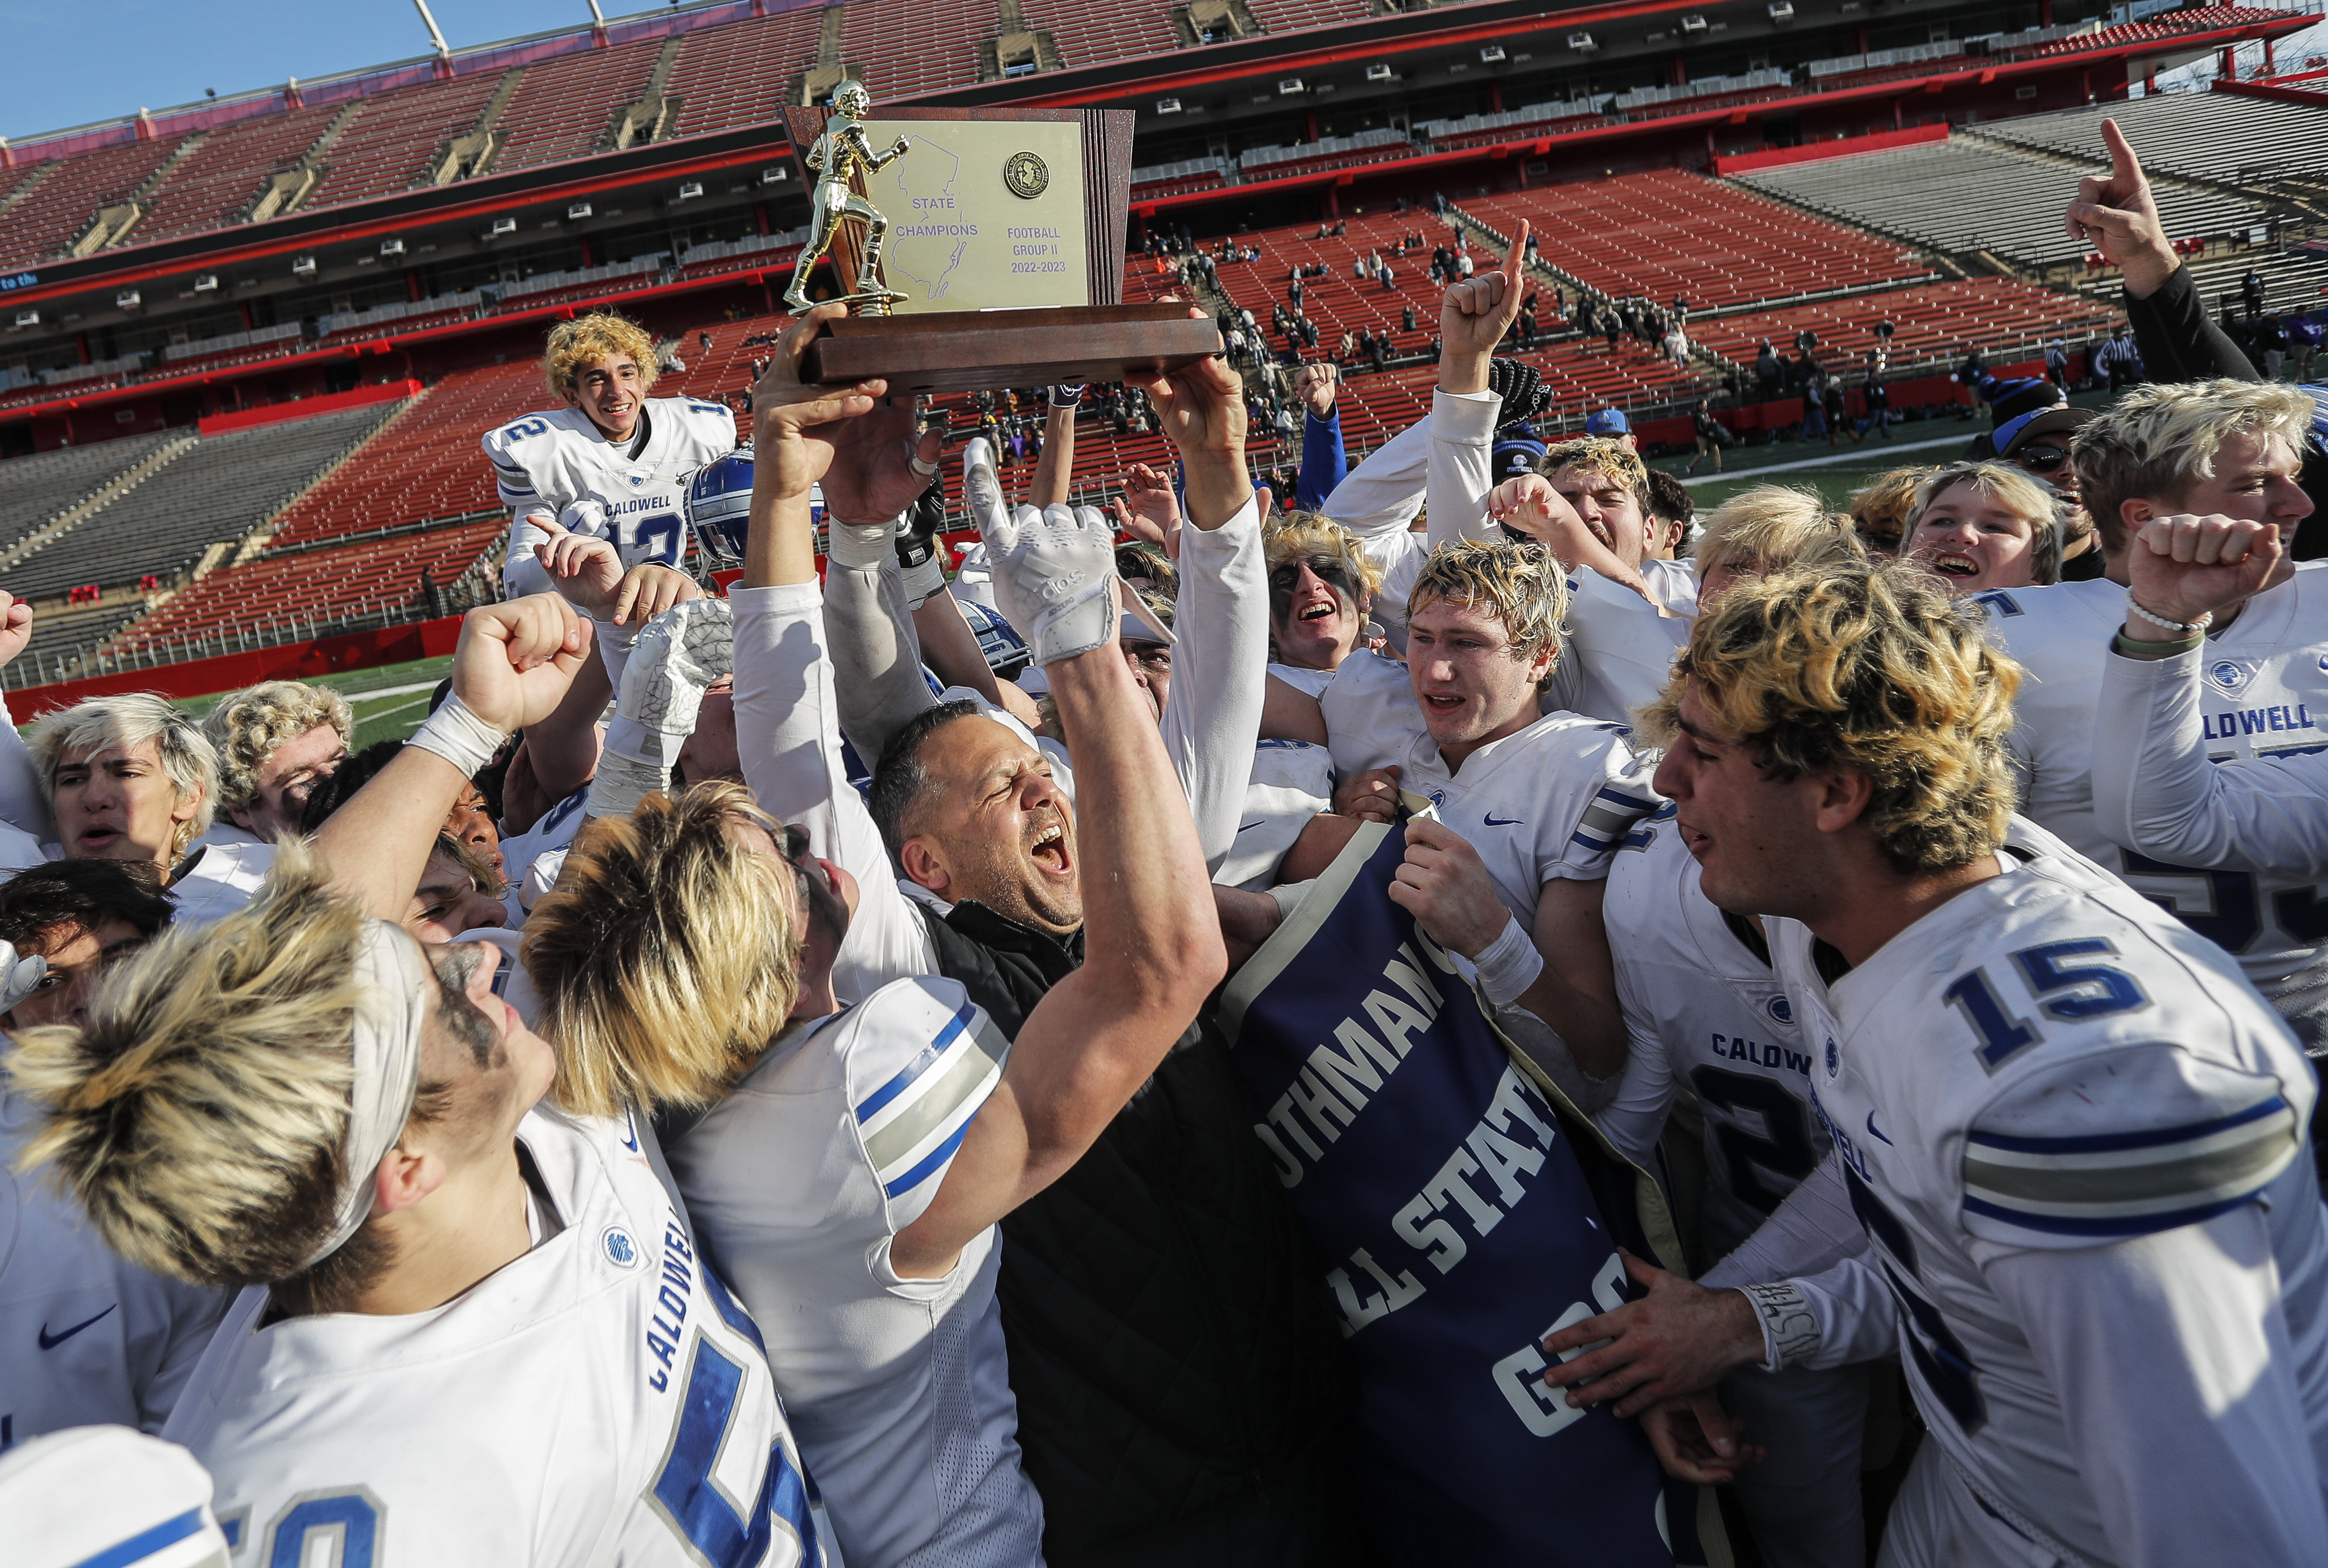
(1331, 570)
(2038, 459)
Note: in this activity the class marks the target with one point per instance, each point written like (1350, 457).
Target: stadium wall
(1811, 153)
(226, 671)
(308, 409)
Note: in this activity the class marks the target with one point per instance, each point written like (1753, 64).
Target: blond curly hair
(1845, 666)
(252, 725)
(667, 957)
(1768, 526)
(1297, 535)
(1611, 456)
(601, 334)
(1520, 585)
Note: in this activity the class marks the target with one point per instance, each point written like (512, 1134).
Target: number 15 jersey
(2037, 1094)
(559, 466)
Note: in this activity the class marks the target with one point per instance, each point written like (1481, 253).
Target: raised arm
(2118, 217)
(24, 805)
(1324, 461)
(1152, 938)
(1056, 468)
(2154, 790)
(511, 668)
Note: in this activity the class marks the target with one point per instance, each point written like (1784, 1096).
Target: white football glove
(19, 977)
(678, 656)
(981, 487)
(1054, 579)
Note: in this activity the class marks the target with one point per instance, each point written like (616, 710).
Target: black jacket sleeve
(2177, 340)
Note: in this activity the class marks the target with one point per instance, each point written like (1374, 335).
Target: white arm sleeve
(1814, 1230)
(1635, 1118)
(23, 806)
(2156, 793)
(788, 737)
(1462, 427)
(522, 572)
(2178, 1382)
(875, 651)
(1378, 501)
(1858, 1317)
(1212, 716)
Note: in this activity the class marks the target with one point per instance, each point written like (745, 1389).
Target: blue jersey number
(2066, 990)
(692, 1501)
(653, 538)
(1784, 1149)
(2222, 907)
(524, 428)
(1939, 1356)
(348, 1522)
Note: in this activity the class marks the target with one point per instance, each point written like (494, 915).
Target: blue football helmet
(717, 498)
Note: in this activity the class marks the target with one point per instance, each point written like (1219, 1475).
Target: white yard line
(1859, 454)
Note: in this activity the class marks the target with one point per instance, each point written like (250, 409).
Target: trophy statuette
(1008, 271)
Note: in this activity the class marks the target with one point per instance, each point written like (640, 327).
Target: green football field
(390, 702)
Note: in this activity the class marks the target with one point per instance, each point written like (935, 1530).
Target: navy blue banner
(1461, 1222)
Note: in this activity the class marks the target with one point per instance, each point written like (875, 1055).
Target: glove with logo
(678, 656)
(920, 556)
(1054, 579)
(1520, 387)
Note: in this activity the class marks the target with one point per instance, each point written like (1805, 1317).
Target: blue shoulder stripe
(931, 1161)
(922, 1061)
(2105, 1142)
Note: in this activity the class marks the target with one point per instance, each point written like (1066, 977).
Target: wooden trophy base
(967, 350)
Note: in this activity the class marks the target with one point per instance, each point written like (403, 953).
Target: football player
(609, 463)
(474, 1331)
(2071, 1134)
(2223, 449)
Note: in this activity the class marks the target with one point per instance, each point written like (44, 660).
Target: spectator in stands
(1814, 412)
(1877, 396)
(2304, 336)
(1711, 436)
(2271, 337)
(1833, 409)
(1878, 509)
(1769, 374)
(1407, 320)
(276, 742)
(1676, 344)
(1969, 375)
(124, 778)
(1980, 526)
(2057, 364)
(1804, 341)
(2252, 292)
(1681, 307)
(1609, 327)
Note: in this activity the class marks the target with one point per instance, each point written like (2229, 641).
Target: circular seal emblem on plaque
(1027, 175)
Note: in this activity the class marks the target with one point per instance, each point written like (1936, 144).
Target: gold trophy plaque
(977, 249)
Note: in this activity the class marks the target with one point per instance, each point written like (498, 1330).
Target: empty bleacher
(35, 489)
(910, 46)
(1284, 15)
(61, 634)
(383, 150)
(1963, 196)
(737, 75)
(218, 181)
(2210, 135)
(1089, 34)
(222, 489)
(1667, 233)
(563, 106)
(1934, 324)
(59, 209)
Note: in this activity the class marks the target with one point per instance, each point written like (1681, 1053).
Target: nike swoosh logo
(51, 1341)
(1877, 1131)
(1495, 822)
(1249, 827)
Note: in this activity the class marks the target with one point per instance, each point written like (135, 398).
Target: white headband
(392, 982)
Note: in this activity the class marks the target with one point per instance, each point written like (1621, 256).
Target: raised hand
(1200, 408)
(15, 627)
(1317, 384)
(1473, 317)
(1148, 510)
(2183, 566)
(1530, 504)
(854, 439)
(2118, 217)
(515, 659)
(1054, 579)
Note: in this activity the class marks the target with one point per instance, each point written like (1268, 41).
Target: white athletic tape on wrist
(857, 545)
(459, 737)
(1790, 1329)
(924, 582)
(1508, 965)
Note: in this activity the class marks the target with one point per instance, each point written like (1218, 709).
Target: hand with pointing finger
(2118, 217)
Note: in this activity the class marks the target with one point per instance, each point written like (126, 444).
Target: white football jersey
(558, 464)
(86, 1339)
(2267, 692)
(1552, 801)
(799, 1179)
(1301, 678)
(1292, 782)
(1707, 1017)
(601, 1400)
(106, 1495)
(2047, 1064)
(1619, 650)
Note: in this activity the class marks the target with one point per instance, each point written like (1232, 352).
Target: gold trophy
(841, 160)
(1010, 244)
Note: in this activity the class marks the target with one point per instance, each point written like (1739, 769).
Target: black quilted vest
(1170, 1342)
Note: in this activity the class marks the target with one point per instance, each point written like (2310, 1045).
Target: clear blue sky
(76, 60)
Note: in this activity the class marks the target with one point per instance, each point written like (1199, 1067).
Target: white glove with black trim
(19, 977)
(1054, 579)
(678, 656)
